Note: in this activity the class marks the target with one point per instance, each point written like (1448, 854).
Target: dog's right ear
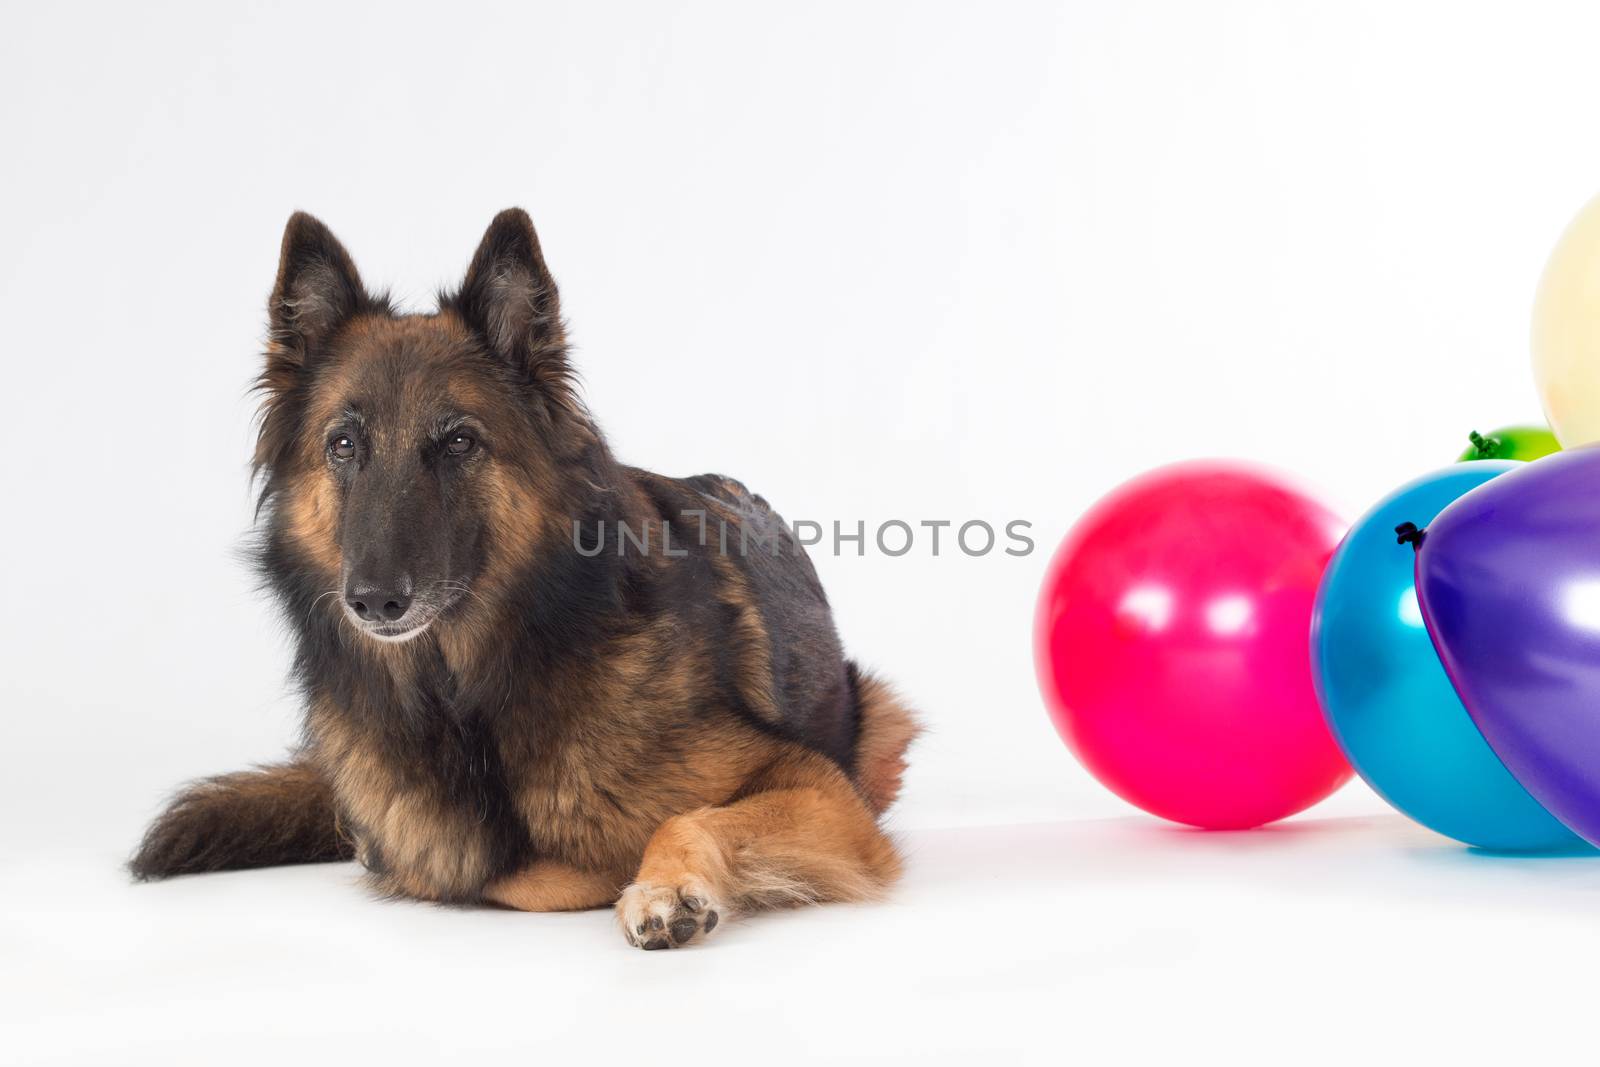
(317, 288)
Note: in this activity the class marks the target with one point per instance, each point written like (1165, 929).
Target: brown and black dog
(531, 677)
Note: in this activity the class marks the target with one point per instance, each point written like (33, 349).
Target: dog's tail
(267, 817)
(886, 726)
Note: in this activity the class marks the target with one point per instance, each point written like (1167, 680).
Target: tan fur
(888, 727)
(313, 520)
(551, 886)
(428, 850)
(594, 798)
(801, 834)
(751, 644)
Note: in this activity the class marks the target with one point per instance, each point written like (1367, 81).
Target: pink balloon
(1172, 645)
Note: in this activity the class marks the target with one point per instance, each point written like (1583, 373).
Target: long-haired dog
(534, 677)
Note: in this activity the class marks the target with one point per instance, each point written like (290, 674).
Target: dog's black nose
(377, 605)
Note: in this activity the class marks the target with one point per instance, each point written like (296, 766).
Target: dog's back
(788, 672)
(822, 700)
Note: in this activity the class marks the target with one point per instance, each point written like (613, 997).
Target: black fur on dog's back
(811, 698)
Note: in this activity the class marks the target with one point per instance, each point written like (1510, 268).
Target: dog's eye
(460, 444)
(342, 448)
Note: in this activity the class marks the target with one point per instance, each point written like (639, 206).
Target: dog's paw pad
(655, 916)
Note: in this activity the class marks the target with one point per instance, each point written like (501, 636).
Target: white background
(879, 261)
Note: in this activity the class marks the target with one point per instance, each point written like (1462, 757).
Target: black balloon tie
(1408, 534)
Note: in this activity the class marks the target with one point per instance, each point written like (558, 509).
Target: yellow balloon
(1566, 331)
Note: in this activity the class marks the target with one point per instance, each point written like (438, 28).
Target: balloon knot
(1408, 534)
(1484, 445)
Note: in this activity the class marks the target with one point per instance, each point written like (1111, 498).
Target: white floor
(1352, 940)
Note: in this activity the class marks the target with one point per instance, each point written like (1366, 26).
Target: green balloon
(1511, 442)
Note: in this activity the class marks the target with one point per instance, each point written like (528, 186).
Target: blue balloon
(1385, 693)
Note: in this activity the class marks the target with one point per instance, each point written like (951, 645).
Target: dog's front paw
(655, 916)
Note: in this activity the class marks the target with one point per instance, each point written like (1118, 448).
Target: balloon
(1511, 442)
(1170, 642)
(1566, 331)
(1386, 696)
(1509, 582)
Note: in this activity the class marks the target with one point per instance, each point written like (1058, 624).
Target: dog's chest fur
(420, 789)
(442, 796)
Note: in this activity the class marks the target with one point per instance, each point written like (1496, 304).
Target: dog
(504, 704)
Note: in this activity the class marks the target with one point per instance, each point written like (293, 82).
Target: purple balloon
(1509, 581)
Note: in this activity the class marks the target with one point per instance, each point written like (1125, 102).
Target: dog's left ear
(510, 299)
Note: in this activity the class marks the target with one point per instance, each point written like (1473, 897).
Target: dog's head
(411, 461)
